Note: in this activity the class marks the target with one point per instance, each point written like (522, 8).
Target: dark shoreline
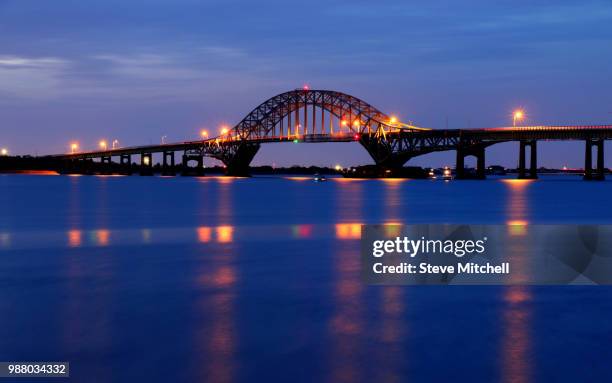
(42, 165)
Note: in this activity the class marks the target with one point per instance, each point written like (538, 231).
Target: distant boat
(319, 178)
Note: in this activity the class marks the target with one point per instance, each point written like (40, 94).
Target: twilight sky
(135, 71)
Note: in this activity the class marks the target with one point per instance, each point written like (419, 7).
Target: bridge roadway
(194, 145)
(285, 118)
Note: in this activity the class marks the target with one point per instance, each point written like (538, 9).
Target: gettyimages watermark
(515, 254)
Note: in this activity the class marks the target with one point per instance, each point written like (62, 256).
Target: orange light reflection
(103, 237)
(204, 234)
(225, 234)
(74, 238)
(348, 230)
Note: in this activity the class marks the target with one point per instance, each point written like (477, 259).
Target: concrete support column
(79, 166)
(533, 165)
(588, 160)
(106, 165)
(480, 163)
(477, 151)
(198, 170)
(168, 164)
(460, 163)
(125, 161)
(521, 169)
(533, 162)
(601, 170)
(238, 164)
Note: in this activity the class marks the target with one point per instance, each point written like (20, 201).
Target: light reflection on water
(74, 238)
(393, 327)
(348, 230)
(5, 239)
(302, 231)
(184, 271)
(102, 237)
(516, 324)
(347, 323)
(216, 338)
(225, 233)
(204, 234)
(146, 236)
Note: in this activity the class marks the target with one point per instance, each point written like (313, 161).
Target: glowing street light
(518, 115)
(74, 147)
(356, 123)
(393, 120)
(103, 144)
(338, 168)
(224, 130)
(204, 133)
(163, 139)
(115, 144)
(4, 152)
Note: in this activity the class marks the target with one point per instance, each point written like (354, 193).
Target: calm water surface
(218, 279)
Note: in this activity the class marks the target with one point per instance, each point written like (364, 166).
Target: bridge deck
(487, 135)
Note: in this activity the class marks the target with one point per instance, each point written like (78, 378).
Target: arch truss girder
(419, 143)
(266, 121)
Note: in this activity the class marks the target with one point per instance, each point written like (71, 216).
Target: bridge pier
(600, 172)
(533, 163)
(198, 170)
(78, 166)
(125, 163)
(382, 154)
(477, 151)
(238, 164)
(106, 165)
(168, 164)
(86, 166)
(146, 164)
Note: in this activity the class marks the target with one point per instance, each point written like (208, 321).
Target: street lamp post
(224, 131)
(517, 116)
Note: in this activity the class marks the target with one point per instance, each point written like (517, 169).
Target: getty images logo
(414, 247)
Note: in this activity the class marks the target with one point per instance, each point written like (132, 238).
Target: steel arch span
(309, 116)
(267, 120)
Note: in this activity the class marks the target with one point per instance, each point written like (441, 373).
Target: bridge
(311, 116)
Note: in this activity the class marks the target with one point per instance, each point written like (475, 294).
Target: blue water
(156, 279)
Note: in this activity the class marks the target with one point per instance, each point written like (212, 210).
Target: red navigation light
(306, 87)
(356, 137)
